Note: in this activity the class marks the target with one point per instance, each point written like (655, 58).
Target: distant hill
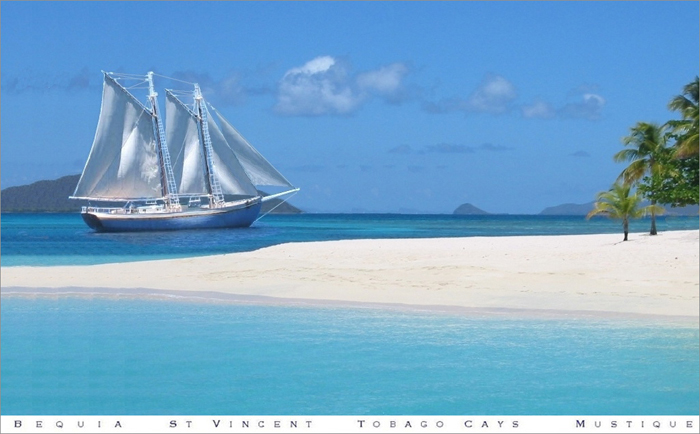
(585, 208)
(52, 196)
(568, 209)
(42, 196)
(469, 209)
(689, 210)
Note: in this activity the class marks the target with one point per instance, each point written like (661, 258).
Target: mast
(213, 185)
(166, 171)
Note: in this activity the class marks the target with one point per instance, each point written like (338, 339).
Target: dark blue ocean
(63, 239)
(71, 355)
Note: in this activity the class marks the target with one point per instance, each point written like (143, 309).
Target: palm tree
(618, 203)
(686, 130)
(645, 152)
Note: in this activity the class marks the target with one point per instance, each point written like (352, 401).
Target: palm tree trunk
(625, 228)
(653, 220)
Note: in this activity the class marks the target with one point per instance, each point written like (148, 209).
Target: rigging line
(125, 73)
(174, 79)
(135, 86)
(129, 76)
(273, 208)
(180, 92)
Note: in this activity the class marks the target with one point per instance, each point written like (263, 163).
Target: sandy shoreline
(579, 275)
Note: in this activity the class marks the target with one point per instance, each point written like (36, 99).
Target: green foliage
(663, 159)
(685, 131)
(676, 186)
(646, 151)
(620, 203)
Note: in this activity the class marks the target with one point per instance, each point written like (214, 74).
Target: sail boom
(276, 195)
(117, 199)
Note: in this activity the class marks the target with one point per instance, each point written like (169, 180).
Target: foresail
(258, 169)
(123, 163)
(186, 154)
(227, 168)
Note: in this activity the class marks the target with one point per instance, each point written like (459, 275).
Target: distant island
(568, 209)
(572, 209)
(469, 209)
(52, 196)
(584, 208)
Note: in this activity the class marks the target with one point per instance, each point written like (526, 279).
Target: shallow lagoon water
(128, 355)
(78, 355)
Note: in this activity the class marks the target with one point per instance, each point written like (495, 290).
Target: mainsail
(182, 136)
(258, 169)
(236, 165)
(123, 162)
(227, 168)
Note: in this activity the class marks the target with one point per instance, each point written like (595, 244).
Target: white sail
(258, 169)
(186, 151)
(227, 168)
(123, 163)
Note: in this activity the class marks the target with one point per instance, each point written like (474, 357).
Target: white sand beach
(575, 273)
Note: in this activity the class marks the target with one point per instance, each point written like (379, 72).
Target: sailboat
(189, 172)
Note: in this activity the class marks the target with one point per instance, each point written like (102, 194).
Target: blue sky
(378, 107)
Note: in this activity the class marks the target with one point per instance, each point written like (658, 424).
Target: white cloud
(385, 80)
(325, 86)
(318, 87)
(590, 108)
(493, 95)
(538, 110)
(318, 65)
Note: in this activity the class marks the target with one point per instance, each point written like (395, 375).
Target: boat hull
(226, 217)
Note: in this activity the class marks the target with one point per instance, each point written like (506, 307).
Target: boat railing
(124, 210)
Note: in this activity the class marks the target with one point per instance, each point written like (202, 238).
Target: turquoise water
(95, 356)
(120, 355)
(63, 239)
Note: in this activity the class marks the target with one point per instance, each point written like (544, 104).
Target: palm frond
(652, 209)
(626, 155)
(618, 203)
(645, 147)
(688, 146)
(686, 130)
(634, 172)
